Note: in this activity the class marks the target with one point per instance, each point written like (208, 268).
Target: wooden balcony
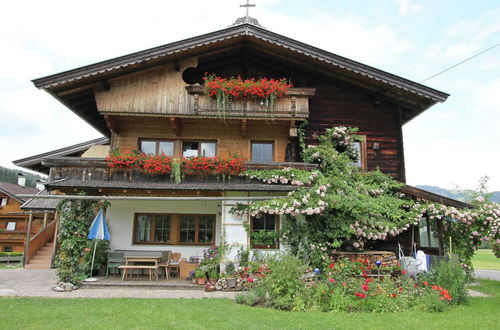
(93, 173)
(294, 105)
(192, 102)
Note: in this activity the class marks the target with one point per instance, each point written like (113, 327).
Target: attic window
(3, 201)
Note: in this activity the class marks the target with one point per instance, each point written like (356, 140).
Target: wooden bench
(132, 267)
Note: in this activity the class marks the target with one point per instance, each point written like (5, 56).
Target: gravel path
(487, 274)
(38, 282)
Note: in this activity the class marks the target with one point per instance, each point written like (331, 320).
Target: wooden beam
(56, 232)
(45, 219)
(27, 238)
(111, 123)
(176, 126)
(244, 127)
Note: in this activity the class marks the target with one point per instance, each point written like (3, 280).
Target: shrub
(283, 284)
(10, 254)
(496, 249)
(450, 275)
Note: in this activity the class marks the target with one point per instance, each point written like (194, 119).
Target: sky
(452, 144)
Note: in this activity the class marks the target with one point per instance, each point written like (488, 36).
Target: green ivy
(74, 251)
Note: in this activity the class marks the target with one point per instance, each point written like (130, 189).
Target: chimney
(21, 180)
(39, 184)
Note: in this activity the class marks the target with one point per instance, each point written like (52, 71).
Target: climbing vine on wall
(74, 251)
(338, 205)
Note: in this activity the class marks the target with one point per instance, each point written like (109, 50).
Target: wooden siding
(336, 105)
(159, 90)
(228, 134)
(12, 205)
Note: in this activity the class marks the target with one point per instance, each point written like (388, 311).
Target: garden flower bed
(284, 282)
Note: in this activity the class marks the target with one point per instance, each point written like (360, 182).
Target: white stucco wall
(120, 216)
(229, 228)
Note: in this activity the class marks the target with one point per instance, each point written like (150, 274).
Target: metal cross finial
(247, 6)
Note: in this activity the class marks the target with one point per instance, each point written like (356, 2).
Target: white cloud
(407, 7)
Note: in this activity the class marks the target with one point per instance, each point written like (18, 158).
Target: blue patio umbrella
(98, 231)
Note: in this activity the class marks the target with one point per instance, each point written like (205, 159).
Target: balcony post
(27, 238)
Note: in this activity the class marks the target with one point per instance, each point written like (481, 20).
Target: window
(152, 228)
(428, 238)
(264, 232)
(174, 229)
(199, 149)
(360, 146)
(262, 151)
(197, 229)
(3, 201)
(157, 147)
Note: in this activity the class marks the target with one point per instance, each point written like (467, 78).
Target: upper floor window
(157, 147)
(199, 149)
(262, 151)
(361, 148)
(3, 201)
(264, 233)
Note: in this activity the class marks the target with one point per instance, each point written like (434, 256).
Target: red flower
(332, 265)
(360, 295)
(250, 279)
(365, 275)
(426, 283)
(404, 272)
(344, 284)
(393, 295)
(331, 280)
(365, 287)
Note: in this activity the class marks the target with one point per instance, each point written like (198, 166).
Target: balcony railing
(97, 170)
(293, 105)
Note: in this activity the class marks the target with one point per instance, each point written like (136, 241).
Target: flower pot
(201, 281)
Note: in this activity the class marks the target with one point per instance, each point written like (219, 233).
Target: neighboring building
(152, 101)
(14, 218)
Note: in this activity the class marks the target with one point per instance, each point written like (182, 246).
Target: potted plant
(230, 274)
(200, 276)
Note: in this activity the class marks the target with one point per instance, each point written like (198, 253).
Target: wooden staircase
(42, 258)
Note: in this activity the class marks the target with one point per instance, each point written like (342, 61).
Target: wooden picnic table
(131, 264)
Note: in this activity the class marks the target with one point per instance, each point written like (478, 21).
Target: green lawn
(46, 313)
(485, 259)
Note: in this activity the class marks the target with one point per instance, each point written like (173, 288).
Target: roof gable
(75, 88)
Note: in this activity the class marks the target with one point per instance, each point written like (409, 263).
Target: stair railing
(39, 240)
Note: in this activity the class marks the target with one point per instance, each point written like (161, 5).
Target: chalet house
(22, 219)
(154, 101)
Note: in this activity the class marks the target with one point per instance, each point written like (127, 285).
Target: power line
(454, 66)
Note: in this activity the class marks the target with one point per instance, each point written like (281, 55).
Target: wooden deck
(142, 282)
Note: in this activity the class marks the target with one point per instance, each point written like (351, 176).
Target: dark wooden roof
(432, 197)
(11, 190)
(95, 184)
(34, 163)
(40, 204)
(82, 81)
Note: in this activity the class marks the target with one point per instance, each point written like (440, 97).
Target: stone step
(39, 261)
(37, 266)
(43, 252)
